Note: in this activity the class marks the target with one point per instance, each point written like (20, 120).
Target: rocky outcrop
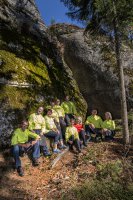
(32, 70)
(92, 61)
(22, 14)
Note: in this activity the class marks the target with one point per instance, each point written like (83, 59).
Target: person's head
(40, 110)
(94, 112)
(79, 120)
(67, 98)
(57, 102)
(108, 116)
(52, 103)
(24, 125)
(72, 122)
(49, 112)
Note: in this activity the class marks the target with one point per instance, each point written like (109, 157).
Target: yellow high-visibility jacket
(109, 124)
(59, 110)
(37, 122)
(95, 120)
(22, 137)
(69, 107)
(54, 113)
(71, 130)
(50, 124)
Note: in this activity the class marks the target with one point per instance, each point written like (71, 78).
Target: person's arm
(88, 121)
(43, 127)
(74, 111)
(113, 125)
(67, 134)
(31, 122)
(14, 139)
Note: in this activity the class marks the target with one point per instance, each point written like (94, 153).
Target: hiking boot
(63, 147)
(56, 151)
(20, 171)
(35, 162)
(47, 154)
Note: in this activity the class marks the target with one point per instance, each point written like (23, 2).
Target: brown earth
(72, 170)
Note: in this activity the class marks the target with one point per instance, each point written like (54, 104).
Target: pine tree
(116, 16)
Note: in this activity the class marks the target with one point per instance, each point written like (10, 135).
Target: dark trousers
(42, 142)
(82, 136)
(68, 117)
(53, 135)
(109, 134)
(90, 131)
(75, 143)
(59, 129)
(63, 126)
(16, 150)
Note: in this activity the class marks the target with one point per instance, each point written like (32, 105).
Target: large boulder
(91, 58)
(32, 70)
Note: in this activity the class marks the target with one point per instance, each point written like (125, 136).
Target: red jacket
(79, 127)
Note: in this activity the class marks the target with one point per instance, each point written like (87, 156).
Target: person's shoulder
(16, 131)
(32, 114)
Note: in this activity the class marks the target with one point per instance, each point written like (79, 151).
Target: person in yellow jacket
(72, 136)
(108, 126)
(54, 112)
(61, 114)
(37, 124)
(53, 132)
(69, 109)
(93, 124)
(21, 142)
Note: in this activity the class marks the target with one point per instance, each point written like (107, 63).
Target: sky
(54, 9)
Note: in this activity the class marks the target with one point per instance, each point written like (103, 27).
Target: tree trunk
(122, 82)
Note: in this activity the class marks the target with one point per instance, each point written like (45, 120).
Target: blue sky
(53, 9)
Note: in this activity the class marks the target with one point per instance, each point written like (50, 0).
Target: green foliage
(107, 184)
(110, 170)
(100, 190)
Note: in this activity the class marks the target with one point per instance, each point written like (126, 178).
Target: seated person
(69, 109)
(79, 126)
(61, 114)
(20, 141)
(54, 112)
(37, 125)
(108, 126)
(53, 132)
(93, 124)
(72, 136)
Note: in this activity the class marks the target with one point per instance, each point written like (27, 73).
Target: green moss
(21, 70)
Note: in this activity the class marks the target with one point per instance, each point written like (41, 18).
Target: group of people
(61, 124)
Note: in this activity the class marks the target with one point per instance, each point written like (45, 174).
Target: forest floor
(102, 170)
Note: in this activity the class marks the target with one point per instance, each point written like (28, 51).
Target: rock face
(22, 14)
(92, 61)
(32, 70)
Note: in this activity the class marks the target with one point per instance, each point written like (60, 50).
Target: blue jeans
(53, 135)
(82, 136)
(16, 150)
(44, 145)
(76, 142)
(90, 131)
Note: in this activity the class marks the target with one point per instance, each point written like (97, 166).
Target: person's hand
(41, 134)
(39, 138)
(33, 142)
(104, 129)
(92, 126)
(70, 142)
(25, 145)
